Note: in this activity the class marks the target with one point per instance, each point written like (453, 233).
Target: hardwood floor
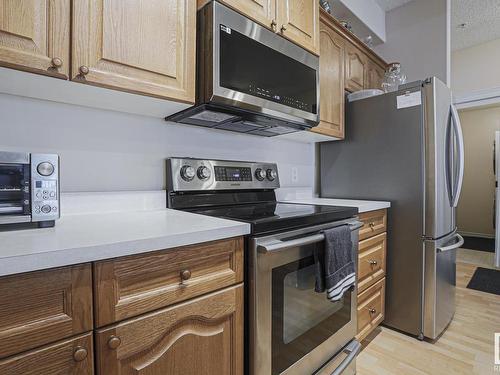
(466, 347)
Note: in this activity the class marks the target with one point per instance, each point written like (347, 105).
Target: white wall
(418, 36)
(476, 68)
(109, 151)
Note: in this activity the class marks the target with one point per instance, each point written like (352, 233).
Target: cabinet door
(261, 11)
(298, 20)
(355, 68)
(374, 76)
(142, 46)
(331, 76)
(201, 336)
(37, 308)
(74, 356)
(34, 35)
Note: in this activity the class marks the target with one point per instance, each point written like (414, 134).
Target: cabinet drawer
(371, 261)
(374, 222)
(200, 336)
(371, 309)
(38, 308)
(130, 286)
(74, 356)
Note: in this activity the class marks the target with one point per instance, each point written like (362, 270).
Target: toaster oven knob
(46, 209)
(271, 174)
(187, 173)
(260, 174)
(204, 173)
(45, 168)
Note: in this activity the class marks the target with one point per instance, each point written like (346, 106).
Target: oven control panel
(188, 174)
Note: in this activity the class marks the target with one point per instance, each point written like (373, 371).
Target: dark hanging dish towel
(334, 262)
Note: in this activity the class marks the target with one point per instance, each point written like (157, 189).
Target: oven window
(14, 189)
(253, 68)
(302, 318)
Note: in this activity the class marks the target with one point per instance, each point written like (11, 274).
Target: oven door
(14, 188)
(293, 329)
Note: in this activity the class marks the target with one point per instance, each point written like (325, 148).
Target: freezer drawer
(439, 283)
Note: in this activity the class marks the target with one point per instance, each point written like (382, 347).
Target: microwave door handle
(461, 160)
(353, 350)
(308, 240)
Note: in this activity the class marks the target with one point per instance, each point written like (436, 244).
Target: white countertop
(362, 206)
(96, 236)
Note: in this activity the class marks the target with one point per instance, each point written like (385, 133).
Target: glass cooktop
(273, 216)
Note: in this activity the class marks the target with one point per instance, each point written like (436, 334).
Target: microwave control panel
(44, 187)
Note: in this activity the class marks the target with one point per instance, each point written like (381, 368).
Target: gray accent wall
(112, 151)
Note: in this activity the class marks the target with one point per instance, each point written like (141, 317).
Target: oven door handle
(281, 245)
(352, 350)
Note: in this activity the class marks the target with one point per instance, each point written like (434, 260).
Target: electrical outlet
(295, 174)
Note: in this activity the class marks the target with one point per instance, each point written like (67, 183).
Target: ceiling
(482, 18)
(391, 4)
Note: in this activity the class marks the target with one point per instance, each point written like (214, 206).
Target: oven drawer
(371, 309)
(129, 286)
(371, 261)
(374, 222)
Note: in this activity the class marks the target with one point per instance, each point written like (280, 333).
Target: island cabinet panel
(42, 307)
(129, 286)
(201, 336)
(70, 357)
(35, 36)
(141, 46)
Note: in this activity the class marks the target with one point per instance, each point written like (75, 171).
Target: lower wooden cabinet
(371, 309)
(201, 336)
(70, 357)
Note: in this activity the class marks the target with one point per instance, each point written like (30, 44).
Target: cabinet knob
(185, 275)
(114, 342)
(273, 25)
(283, 28)
(372, 225)
(372, 311)
(80, 354)
(57, 62)
(84, 70)
(373, 262)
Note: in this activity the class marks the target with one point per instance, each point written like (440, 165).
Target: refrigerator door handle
(461, 160)
(456, 245)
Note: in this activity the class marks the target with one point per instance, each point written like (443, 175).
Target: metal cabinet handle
(273, 25)
(185, 275)
(373, 262)
(84, 70)
(114, 342)
(372, 311)
(283, 28)
(372, 225)
(80, 354)
(56, 62)
(352, 349)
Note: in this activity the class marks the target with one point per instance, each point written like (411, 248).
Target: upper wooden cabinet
(298, 20)
(35, 36)
(374, 75)
(331, 76)
(261, 11)
(355, 68)
(141, 46)
(202, 336)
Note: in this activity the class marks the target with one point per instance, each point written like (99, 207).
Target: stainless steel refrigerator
(406, 147)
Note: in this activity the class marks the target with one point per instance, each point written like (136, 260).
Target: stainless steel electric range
(290, 328)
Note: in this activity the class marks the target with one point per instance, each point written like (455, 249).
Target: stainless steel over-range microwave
(29, 189)
(250, 79)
